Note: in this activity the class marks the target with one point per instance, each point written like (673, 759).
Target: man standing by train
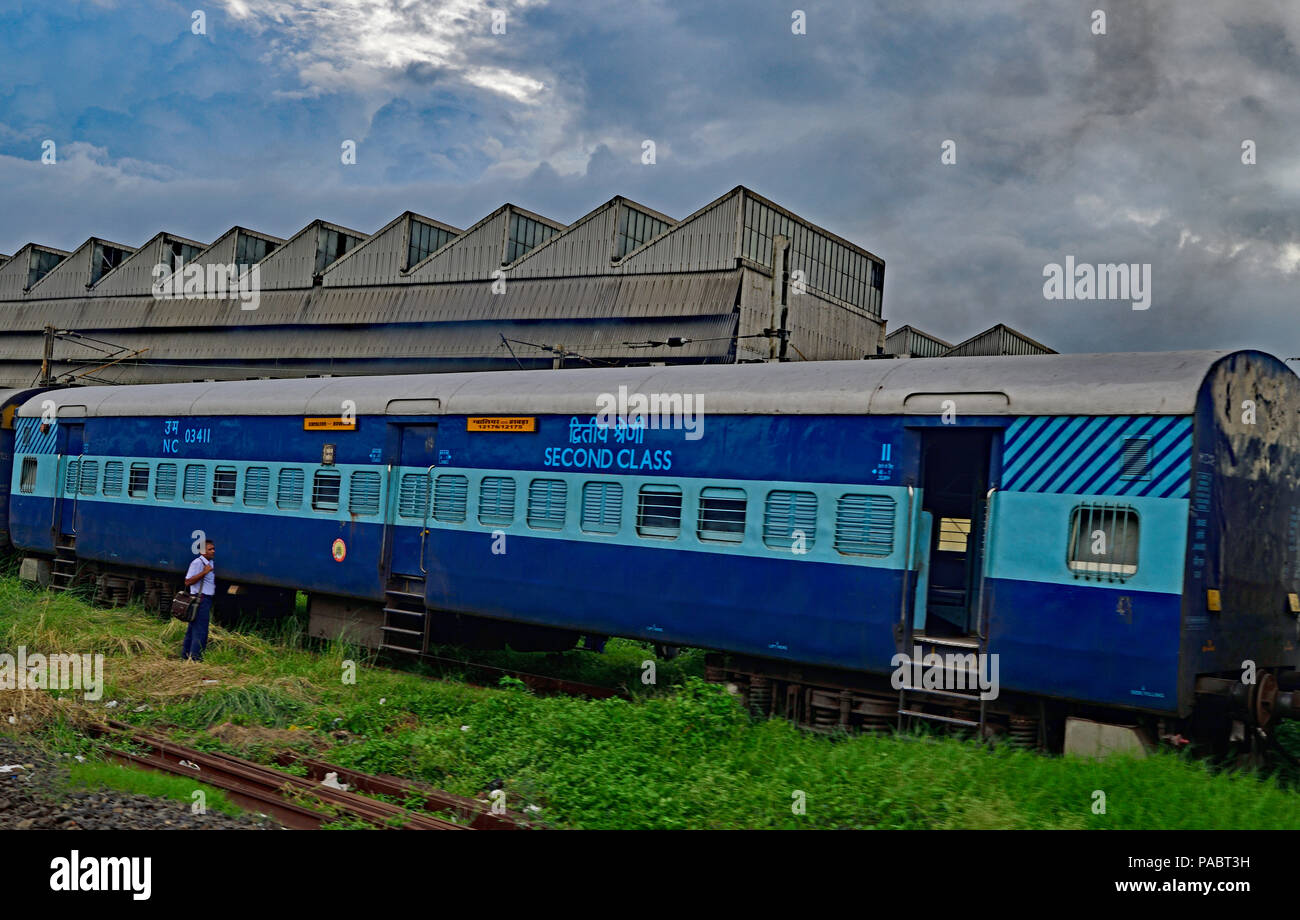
(200, 579)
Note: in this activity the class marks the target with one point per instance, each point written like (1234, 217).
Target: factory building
(910, 342)
(740, 280)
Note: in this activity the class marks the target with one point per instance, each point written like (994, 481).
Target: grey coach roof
(1140, 383)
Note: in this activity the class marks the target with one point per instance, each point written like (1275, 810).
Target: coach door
(409, 491)
(69, 482)
(954, 499)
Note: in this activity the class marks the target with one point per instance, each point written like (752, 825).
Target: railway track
(303, 803)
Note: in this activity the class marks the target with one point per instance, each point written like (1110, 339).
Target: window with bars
(363, 492)
(547, 503)
(288, 493)
(72, 478)
(413, 496)
(788, 516)
(1103, 541)
(89, 478)
(223, 485)
(325, 488)
(450, 496)
(864, 525)
(602, 507)
(722, 515)
(27, 483)
(496, 500)
(137, 485)
(257, 486)
(113, 472)
(196, 483)
(164, 487)
(659, 511)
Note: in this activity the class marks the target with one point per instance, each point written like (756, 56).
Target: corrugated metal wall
(706, 241)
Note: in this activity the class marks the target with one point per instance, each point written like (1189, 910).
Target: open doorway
(954, 482)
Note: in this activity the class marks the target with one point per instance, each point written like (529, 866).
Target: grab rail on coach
(428, 509)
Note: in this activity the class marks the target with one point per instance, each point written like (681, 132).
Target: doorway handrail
(428, 509)
(907, 560)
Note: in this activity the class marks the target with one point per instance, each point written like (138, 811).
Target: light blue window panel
(659, 511)
(325, 488)
(73, 479)
(547, 501)
(28, 481)
(602, 507)
(164, 487)
(257, 486)
(363, 492)
(89, 476)
(224, 480)
(289, 492)
(864, 525)
(496, 500)
(413, 497)
(196, 483)
(722, 515)
(114, 471)
(449, 498)
(788, 515)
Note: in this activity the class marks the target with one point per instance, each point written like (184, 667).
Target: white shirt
(207, 584)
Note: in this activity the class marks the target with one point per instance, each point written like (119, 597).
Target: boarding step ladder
(405, 626)
(63, 571)
(911, 698)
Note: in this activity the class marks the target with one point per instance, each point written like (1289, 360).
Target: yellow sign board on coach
(495, 423)
(329, 424)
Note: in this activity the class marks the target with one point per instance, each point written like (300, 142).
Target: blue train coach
(1112, 537)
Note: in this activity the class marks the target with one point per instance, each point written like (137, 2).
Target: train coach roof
(1152, 383)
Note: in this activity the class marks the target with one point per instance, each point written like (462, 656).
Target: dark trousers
(196, 637)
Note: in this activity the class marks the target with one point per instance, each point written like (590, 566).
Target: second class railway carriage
(1122, 531)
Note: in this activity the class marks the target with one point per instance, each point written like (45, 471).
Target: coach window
(137, 486)
(257, 486)
(196, 483)
(73, 479)
(164, 487)
(450, 496)
(28, 481)
(659, 512)
(89, 476)
(547, 503)
(790, 520)
(413, 496)
(113, 470)
(288, 495)
(496, 500)
(722, 515)
(864, 525)
(223, 485)
(325, 490)
(602, 507)
(363, 492)
(1103, 542)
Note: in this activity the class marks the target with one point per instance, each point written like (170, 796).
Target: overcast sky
(1125, 146)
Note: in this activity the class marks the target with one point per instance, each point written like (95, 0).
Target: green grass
(99, 774)
(683, 757)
